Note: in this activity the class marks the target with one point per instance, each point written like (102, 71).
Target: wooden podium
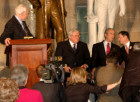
(30, 52)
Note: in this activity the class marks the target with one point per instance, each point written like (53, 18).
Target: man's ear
(105, 35)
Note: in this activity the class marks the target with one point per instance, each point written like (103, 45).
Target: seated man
(51, 92)
(19, 73)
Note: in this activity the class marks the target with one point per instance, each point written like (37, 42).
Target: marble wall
(131, 21)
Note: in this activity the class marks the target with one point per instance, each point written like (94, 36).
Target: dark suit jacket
(124, 54)
(131, 76)
(80, 56)
(99, 54)
(13, 30)
(50, 92)
(80, 92)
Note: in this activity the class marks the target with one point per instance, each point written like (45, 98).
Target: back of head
(20, 9)
(9, 91)
(39, 69)
(78, 75)
(19, 73)
(136, 46)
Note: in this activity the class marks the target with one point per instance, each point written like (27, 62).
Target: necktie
(127, 49)
(24, 28)
(74, 47)
(108, 48)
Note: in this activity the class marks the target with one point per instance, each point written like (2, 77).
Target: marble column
(71, 22)
(92, 32)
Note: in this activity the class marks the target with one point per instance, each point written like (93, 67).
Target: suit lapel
(78, 47)
(19, 26)
(102, 47)
(112, 47)
(69, 46)
(131, 47)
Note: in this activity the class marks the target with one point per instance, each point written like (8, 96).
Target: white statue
(106, 11)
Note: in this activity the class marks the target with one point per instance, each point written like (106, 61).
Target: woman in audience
(19, 73)
(79, 90)
(9, 91)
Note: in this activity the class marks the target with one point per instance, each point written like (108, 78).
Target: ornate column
(92, 32)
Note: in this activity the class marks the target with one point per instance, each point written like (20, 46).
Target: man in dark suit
(130, 85)
(124, 39)
(74, 52)
(16, 27)
(130, 79)
(51, 92)
(100, 53)
(101, 49)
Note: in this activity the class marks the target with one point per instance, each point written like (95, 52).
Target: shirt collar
(128, 44)
(71, 43)
(20, 21)
(41, 79)
(105, 43)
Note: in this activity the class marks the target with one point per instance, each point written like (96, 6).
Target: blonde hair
(78, 75)
(9, 91)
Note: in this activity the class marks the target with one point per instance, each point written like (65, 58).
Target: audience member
(109, 74)
(130, 85)
(51, 92)
(9, 91)
(4, 71)
(79, 90)
(19, 73)
(39, 68)
(74, 52)
(15, 28)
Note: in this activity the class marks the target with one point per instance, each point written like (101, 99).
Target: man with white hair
(74, 52)
(15, 28)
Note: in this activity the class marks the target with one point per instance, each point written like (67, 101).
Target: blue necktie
(74, 47)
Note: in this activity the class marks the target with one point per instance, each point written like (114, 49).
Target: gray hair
(20, 9)
(136, 46)
(71, 31)
(9, 91)
(19, 73)
(106, 31)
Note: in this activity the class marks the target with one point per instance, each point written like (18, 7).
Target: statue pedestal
(92, 32)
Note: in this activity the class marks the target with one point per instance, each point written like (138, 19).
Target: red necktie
(108, 48)
(127, 49)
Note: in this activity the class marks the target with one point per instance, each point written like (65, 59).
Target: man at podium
(15, 28)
